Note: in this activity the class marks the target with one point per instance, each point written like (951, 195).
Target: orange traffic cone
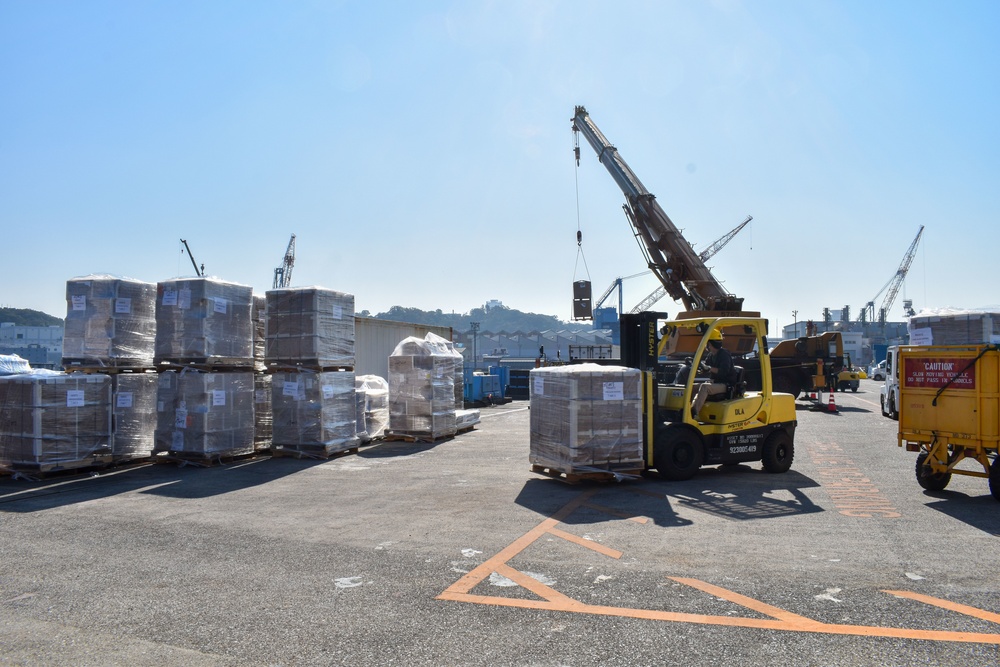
(831, 406)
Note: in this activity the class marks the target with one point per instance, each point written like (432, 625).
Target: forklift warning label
(937, 372)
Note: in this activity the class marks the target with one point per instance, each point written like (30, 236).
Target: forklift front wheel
(932, 481)
(678, 454)
(778, 452)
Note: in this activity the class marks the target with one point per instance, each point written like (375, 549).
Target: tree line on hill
(27, 317)
(493, 318)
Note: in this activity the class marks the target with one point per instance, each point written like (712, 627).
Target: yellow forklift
(739, 426)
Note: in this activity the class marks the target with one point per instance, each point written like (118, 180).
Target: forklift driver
(721, 372)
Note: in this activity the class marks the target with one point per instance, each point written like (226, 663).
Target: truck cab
(889, 395)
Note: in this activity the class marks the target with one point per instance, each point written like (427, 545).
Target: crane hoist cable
(579, 232)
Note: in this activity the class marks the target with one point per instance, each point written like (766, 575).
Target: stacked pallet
(110, 323)
(309, 353)
(205, 354)
(111, 329)
(52, 421)
(955, 327)
(586, 419)
(374, 405)
(422, 389)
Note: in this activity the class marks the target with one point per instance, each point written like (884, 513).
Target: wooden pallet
(35, 471)
(578, 476)
(308, 366)
(91, 369)
(310, 452)
(407, 436)
(465, 429)
(206, 460)
(209, 364)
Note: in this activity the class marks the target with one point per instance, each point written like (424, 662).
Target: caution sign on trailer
(936, 372)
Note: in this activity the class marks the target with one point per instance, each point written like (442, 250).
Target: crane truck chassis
(743, 426)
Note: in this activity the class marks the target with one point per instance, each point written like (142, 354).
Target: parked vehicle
(878, 371)
(889, 396)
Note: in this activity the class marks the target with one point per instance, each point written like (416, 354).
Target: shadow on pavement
(981, 512)
(165, 479)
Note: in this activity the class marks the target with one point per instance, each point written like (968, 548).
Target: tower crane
(893, 285)
(283, 274)
(705, 255)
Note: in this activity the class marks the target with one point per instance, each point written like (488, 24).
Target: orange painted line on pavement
(781, 620)
(470, 580)
(949, 605)
(590, 544)
(749, 603)
(614, 512)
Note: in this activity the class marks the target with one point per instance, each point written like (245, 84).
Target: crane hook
(579, 237)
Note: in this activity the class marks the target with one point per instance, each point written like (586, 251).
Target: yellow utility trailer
(949, 411)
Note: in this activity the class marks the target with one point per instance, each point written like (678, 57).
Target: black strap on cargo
(959, 374)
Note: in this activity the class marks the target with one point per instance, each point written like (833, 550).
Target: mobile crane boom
(671, 258)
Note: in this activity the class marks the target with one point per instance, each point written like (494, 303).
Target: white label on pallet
(260, 396)
(180, 419)
(184, 298)
(614, 391)
(79, 301)
(123, 305)
(169, 297)
(74, 398)
(220, 305)
(290, 389)
(539, 386)
(124, 399)
(218, 397)
(328, 391)
(338, 312)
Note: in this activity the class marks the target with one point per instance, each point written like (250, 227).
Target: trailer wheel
(779, 450)
(678, 454)
(893, 413)
(932, 481)
(995, 477)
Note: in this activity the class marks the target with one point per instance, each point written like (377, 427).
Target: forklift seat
(734, 390)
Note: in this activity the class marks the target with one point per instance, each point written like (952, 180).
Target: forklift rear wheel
(778, 452)
(995, 477)
(934, 481)
(678, 454)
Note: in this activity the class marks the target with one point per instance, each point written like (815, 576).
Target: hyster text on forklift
(736, 427)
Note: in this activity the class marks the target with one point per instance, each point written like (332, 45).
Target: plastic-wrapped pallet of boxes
(204, 320)
(205, 415)
(375, 391)
(311, 327)
(110, 322)
(51, 420)
(134, 397)
(422, 389)
(262, 414)
(259, 331)
(586, 418)
(954, 327)
(314, 413)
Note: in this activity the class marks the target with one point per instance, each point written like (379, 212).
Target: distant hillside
(495, 319)
(28, 318)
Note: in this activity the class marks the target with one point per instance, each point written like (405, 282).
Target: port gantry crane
(283, 274)
(868, 310)
(671, 258)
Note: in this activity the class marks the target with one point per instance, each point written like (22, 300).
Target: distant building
(40, 346)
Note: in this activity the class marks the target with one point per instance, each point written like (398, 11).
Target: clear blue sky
(422, 151)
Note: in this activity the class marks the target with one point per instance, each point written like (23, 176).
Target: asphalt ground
(455, 553)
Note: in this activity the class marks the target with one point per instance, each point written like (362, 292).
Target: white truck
(889, 397)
